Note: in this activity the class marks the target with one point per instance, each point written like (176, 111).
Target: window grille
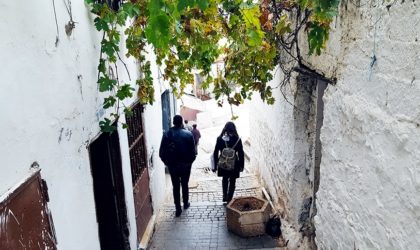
(136, 142)
(113, 4)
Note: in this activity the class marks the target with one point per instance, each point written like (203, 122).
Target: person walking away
(196, 135)
(177, 151)
(228, 139)
(187, 126)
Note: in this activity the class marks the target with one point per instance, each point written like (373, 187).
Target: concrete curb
(147, 236)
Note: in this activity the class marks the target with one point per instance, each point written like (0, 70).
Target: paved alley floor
(203, 225)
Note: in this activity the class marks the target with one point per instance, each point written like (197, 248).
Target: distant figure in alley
(177, 151)
(229, 159)
(187, 126)
(196, 135)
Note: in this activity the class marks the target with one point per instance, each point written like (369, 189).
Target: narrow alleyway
(203, 225)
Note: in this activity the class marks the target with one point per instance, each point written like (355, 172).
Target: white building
(346, 162)
(50, 109)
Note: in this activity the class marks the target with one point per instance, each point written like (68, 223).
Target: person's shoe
(186, 205)
(178, 212)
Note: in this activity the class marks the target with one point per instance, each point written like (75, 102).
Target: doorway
(308, 114)
(139, 170)
(108, 185)
(166, 110)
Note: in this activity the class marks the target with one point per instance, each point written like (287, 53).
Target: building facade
(90, 185)
(340, 157)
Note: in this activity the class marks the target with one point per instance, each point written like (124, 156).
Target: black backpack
(273, 225)
(227, 158)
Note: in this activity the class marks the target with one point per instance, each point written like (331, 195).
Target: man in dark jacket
(177, 151)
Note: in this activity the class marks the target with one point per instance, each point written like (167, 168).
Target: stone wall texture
(369, 189)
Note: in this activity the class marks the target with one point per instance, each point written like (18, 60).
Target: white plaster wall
(47, 114)
(273, 147)
(50, 107)
(153, 133)
(370, 169)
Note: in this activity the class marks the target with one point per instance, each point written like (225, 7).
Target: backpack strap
(233, 145)
(236, 143)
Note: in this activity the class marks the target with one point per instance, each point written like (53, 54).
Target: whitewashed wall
(50, 108)
(154, 132)
(272, 143)
(370, 169)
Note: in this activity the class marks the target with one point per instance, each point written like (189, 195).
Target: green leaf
(109, 102)
(303, 3)
(155, 7)
(157, 31)
(100, 24)
(109, 47)
(97, 7)
(121, 17)
(124, 91)
(128, 112)
(106, 84)
(283, 26)
(183, 4)
(251, 17)
(203, 4)
(131, 9)
(183, 55)
(254, 37)
(233, 20)
(101, 66)
(317, 37)
(106, 126)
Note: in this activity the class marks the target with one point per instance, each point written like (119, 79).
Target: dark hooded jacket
(177, 147)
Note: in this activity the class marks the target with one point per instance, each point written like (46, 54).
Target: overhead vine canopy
(251, 38)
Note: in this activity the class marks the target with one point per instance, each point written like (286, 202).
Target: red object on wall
(25, 220)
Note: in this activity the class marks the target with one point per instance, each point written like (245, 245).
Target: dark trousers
(180, 175)
(228, 186)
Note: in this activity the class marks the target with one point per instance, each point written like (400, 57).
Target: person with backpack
(228, 159)
(177, 151)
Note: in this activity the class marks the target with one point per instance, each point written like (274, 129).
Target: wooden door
(109, 195)
(139, 170)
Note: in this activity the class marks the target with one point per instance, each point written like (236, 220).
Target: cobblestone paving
(203, 225)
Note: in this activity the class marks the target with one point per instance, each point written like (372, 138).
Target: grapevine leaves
(192, 35)
(317, 37)
(157, 31)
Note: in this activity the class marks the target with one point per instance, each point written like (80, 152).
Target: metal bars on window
(136, 142)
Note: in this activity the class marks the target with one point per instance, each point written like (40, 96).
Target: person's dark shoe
(186, 205)
(178, 212)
